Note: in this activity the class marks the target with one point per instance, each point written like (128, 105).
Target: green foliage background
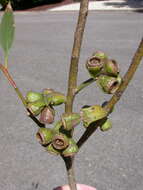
(24, 4)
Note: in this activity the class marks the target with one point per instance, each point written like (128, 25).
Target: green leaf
(7, 29)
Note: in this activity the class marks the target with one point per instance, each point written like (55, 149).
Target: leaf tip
(8, 7)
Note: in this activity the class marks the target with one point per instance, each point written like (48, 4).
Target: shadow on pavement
(130, 3)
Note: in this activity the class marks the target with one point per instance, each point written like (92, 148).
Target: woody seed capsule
(108, 84)
(47, 115)
(94, 66)
(92, 114)
(111, 68)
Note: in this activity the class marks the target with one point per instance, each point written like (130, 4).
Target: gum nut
(94, 65)
(60, 141)
(72, 149)
(92, 114)
(33, 96)
(100, 55)
(47, 115)
(57, 98)
(44, 135)
(36, 107)
(111, 68)
(58, 125)
(106, 126)
(52, 150)
(70, 120)
(108, 84)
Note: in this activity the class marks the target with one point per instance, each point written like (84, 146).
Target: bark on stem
(72, 81)
(116, 97)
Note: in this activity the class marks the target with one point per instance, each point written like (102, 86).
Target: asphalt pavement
(40, 59)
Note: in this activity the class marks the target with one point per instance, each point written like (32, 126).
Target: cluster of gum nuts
(58, 140)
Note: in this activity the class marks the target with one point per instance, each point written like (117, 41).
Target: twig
(13, 84)
(116, 97)
(72, 82)
(84, 84)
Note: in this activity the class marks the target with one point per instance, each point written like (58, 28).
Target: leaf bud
(44, 135)
(60, 141)
(111, 68)
(92, 114)
(72, 149)
(106, 126)
(33, 96)
(36, 107)
(70, 120)
(47, 115)
(108, 84)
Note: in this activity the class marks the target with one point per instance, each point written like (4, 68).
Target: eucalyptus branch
(84, 84)
(116, 97)
(72, 81)
(18, 92)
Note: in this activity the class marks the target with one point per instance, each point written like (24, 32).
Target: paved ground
(40, 58)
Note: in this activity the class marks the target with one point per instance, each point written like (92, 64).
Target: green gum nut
(111, 68)
(106, 126)
(108, 84)
(92, 114)
(60, 141)
(56, 98)
(36, 107)
(94, 66)
(47, 115)
(52, 150)
(71, 150)
(57, 126)
(33, 96)
(100, 54)
(70, 120)
(44, 135)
